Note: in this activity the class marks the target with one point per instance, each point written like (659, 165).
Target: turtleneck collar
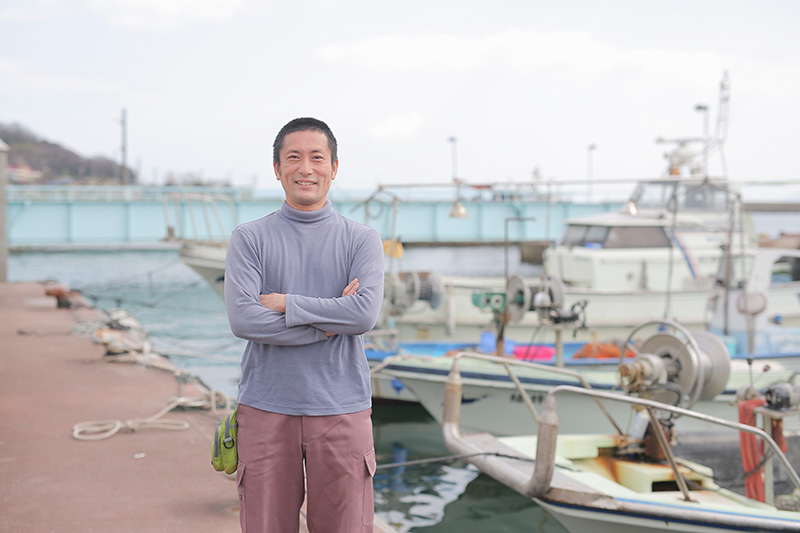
(291, 213)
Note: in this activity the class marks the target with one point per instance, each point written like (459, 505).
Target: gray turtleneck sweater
(290, 366)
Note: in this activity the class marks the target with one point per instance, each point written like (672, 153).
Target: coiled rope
(103, 429)
(141, 353)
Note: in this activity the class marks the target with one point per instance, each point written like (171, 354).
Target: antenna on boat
(685, 155)
(722, 120)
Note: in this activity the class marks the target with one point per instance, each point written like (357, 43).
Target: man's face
(305, 169)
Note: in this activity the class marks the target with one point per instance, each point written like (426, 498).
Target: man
(302, 286)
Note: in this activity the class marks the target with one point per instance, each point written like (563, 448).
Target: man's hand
(274, 300)
(350, 290)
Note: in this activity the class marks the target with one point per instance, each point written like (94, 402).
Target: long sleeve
(348, 315)
(249, 319)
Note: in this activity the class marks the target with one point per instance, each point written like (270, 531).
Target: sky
(416, 91)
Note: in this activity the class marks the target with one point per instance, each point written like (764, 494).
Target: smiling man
(302, 286)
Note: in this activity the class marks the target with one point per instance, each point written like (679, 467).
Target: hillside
(33, 160)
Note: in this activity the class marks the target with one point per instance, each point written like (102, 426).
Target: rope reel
(408, 288)
(695, 366)
(547, 300)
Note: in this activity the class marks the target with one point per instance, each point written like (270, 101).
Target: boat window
(596, 236)
(704, 196)
(654, 195)
(615, 237)
(637, 237)
(693, 195)
(573, 235)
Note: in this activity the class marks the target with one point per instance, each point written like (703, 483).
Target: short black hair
(304, 124)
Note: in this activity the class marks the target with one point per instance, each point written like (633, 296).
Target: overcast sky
(520, 84)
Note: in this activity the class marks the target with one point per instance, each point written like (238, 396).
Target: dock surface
(142, 481)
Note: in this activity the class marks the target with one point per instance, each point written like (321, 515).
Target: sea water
(186, 320)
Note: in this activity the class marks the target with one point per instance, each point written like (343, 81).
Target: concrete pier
(150, 480)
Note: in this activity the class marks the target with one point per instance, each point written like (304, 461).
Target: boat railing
(180, 216)
(454, 381)
(547, 434)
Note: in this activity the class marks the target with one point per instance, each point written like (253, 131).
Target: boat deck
(147, 480)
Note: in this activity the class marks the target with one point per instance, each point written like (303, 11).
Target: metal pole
(124, 169)
(704, 109)
(589, 170)
(3, 212)
(455, 157)
(658, 430)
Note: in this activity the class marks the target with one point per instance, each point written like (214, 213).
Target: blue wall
(43, 216)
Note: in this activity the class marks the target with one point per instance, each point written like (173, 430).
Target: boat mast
(722, 121)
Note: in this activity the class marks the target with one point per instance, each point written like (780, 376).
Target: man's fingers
(351, 288)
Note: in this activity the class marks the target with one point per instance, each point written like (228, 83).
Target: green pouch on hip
(224, 456)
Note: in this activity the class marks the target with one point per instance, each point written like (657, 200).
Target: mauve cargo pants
(339, 459)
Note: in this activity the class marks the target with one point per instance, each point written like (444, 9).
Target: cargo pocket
(240, 490)
(368, 512)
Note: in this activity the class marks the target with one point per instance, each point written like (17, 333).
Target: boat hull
(580, 520)
(491, 402)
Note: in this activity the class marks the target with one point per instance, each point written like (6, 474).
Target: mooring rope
(141, 353)
(448, 458)
(103, 429)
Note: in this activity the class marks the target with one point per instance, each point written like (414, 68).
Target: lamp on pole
(458, 210)
(703, 108)
(124, 145)
(589, 169)
(453, 141)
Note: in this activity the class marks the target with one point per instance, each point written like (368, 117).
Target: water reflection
(446, 495)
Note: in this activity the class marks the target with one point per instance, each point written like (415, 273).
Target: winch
(407, 288)
(674, 365)
(782, 396)
(547, 302)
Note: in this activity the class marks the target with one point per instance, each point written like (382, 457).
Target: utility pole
(124, 167)
(3, 212)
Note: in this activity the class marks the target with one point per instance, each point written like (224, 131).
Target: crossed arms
(277, 301)
(292, 318)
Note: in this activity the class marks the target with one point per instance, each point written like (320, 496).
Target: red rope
(751, 452)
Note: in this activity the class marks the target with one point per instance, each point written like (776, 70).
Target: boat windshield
(691, 195)
(591, 236)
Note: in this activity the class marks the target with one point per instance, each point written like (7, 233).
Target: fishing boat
(658, 257)
(630, 480)
(693, 367)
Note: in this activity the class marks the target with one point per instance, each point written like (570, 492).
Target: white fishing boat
(628, 481)
(686, 367)
(647, 264)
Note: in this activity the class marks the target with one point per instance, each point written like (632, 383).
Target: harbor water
(186, 320)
